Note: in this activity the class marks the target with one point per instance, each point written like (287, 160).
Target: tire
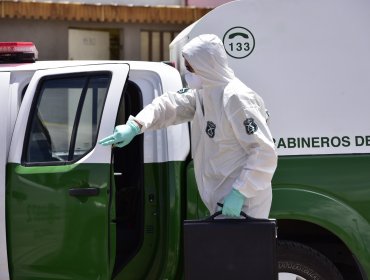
(300, 262)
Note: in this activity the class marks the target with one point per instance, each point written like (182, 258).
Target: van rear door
(58, 179)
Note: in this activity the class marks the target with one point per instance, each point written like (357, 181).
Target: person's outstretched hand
(122, 135)
(233, 204)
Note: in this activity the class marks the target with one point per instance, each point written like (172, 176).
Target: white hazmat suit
(232, 146)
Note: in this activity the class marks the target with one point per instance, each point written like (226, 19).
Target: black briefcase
(230, 249)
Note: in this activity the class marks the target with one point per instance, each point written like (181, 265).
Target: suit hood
(207, 56)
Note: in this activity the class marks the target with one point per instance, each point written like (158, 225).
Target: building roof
(100, 13)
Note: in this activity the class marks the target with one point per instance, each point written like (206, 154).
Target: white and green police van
(310, 61)
(73, 209)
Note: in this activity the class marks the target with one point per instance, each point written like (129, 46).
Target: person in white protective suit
(232, 147)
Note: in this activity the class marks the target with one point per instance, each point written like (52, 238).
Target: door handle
(83, 191)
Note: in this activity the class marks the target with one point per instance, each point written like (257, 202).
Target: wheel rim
(289, 276)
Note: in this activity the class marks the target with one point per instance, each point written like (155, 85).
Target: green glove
(233, 204)
(122, 135)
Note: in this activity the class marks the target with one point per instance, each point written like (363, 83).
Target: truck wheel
(299, 262)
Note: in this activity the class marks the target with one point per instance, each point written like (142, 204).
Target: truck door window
(65, 118)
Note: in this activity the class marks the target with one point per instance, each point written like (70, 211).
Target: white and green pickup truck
(72, 209)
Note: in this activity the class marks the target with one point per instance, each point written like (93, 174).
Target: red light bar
(16, 52)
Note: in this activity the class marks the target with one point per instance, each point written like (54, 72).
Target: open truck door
(59, 179)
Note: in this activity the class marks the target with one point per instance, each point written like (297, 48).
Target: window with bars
(155, 44)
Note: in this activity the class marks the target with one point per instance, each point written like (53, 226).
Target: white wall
(88, 44)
